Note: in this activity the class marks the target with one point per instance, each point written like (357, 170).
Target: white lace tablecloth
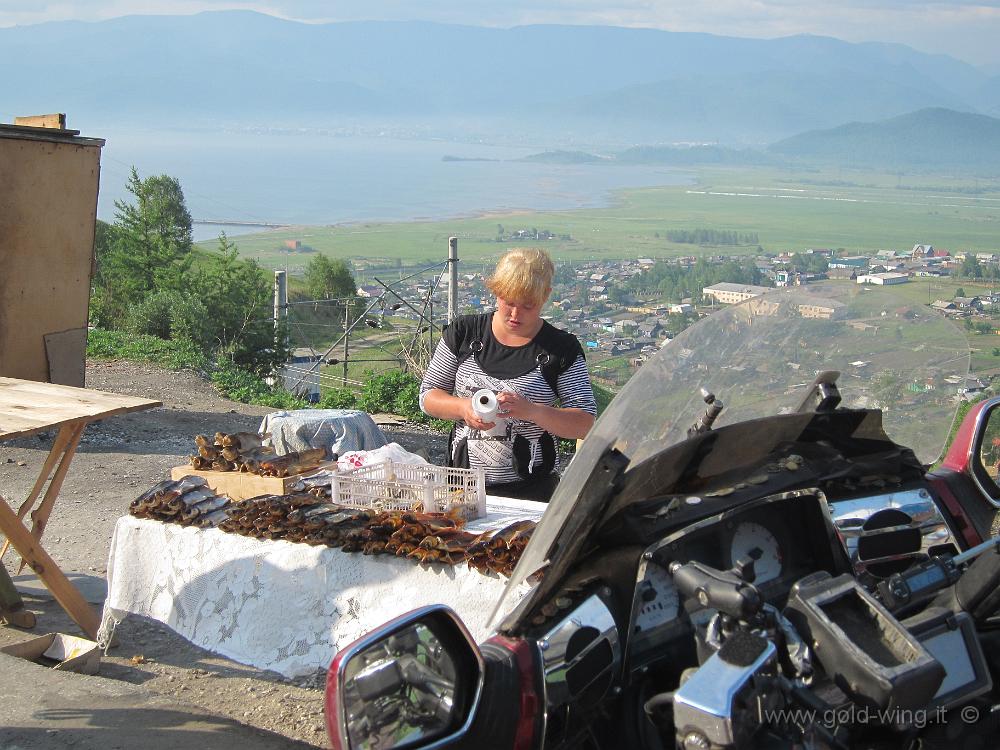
(278, 605)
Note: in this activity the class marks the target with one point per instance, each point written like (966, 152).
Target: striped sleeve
(440, 372)
(574, 389)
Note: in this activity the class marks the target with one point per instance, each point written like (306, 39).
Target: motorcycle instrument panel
(786, 537)
(659, 601)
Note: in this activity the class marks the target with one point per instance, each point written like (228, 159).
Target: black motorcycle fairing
(707, 460)
(575, 509)
(822, 460)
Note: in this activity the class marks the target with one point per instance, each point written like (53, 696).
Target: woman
(530, 364)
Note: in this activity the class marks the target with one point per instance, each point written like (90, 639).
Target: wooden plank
(28, 406)
(40, 517)
(57, 121)
(82, 402)
(45, 568)
(58, 447)
(240, 485)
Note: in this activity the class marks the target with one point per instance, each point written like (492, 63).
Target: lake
(311, 178)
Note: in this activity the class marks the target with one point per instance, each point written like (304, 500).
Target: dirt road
(117, 460)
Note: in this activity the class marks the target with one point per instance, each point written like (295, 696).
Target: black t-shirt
(550, 369)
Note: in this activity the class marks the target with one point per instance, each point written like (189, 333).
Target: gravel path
(117, 460)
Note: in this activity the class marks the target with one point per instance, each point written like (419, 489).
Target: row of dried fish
(238, 451)
(424, 537)
(188, 501)
(305, 517)
(245, 451)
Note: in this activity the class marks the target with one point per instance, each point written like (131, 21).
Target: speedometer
(749, 536)
(658, 598)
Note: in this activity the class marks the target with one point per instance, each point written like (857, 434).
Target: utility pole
(280, 306)
(347, 337)
(452, 278)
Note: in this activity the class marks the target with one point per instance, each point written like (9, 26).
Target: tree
(238, 297)
(971, 268)
(147, 249)
(328, 279)
(153, 237)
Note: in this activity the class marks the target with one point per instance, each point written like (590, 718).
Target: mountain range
(553, 84)
(929, 139)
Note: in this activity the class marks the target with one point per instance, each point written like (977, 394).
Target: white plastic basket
(397, 486)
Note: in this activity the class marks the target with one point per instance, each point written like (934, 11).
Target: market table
(284, 606)
(28, 407)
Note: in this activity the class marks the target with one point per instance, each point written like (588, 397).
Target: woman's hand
(565, 423)
(472, 419)
(512, 405)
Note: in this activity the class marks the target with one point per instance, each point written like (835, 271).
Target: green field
(856, 211)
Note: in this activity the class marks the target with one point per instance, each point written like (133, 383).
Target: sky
(965, 29)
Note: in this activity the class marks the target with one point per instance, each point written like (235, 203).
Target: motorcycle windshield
(760, 358)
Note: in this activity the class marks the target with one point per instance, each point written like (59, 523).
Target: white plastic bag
(391, 452)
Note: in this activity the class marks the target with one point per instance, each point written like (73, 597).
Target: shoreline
(611, 199)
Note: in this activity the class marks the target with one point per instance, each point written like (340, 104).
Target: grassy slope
(858, 211)
(787, 210)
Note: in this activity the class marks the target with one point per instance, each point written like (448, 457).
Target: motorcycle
(772, 572)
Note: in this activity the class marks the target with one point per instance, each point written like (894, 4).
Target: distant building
(728, 293)
(842, 273)
(968, 303)
(857, 262)
(883, 279)
(370, 292)
(824, 309)
(786, 278)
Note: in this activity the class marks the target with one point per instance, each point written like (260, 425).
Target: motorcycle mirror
(984, 451)
(414, 681)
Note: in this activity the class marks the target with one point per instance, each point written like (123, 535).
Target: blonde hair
(524, 274)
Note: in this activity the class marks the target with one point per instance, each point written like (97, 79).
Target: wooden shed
(49, 179)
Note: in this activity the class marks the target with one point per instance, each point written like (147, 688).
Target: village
(622, 320)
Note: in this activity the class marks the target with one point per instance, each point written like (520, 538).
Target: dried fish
(244, 441)
(292, 463)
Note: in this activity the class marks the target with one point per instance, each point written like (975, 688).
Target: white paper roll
(484, 404)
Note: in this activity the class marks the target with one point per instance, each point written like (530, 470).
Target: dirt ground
(117, 460)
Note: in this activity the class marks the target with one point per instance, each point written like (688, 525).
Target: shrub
(397, 392)
(152, 315)
(241, 385)
(339, 398)
(190, 320)
(383, 392)
(178, 354)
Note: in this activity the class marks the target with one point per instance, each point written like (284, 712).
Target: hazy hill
(582, 82)
(928, 139)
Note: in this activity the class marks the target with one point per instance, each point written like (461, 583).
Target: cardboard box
(239, 485)
(59, 651)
